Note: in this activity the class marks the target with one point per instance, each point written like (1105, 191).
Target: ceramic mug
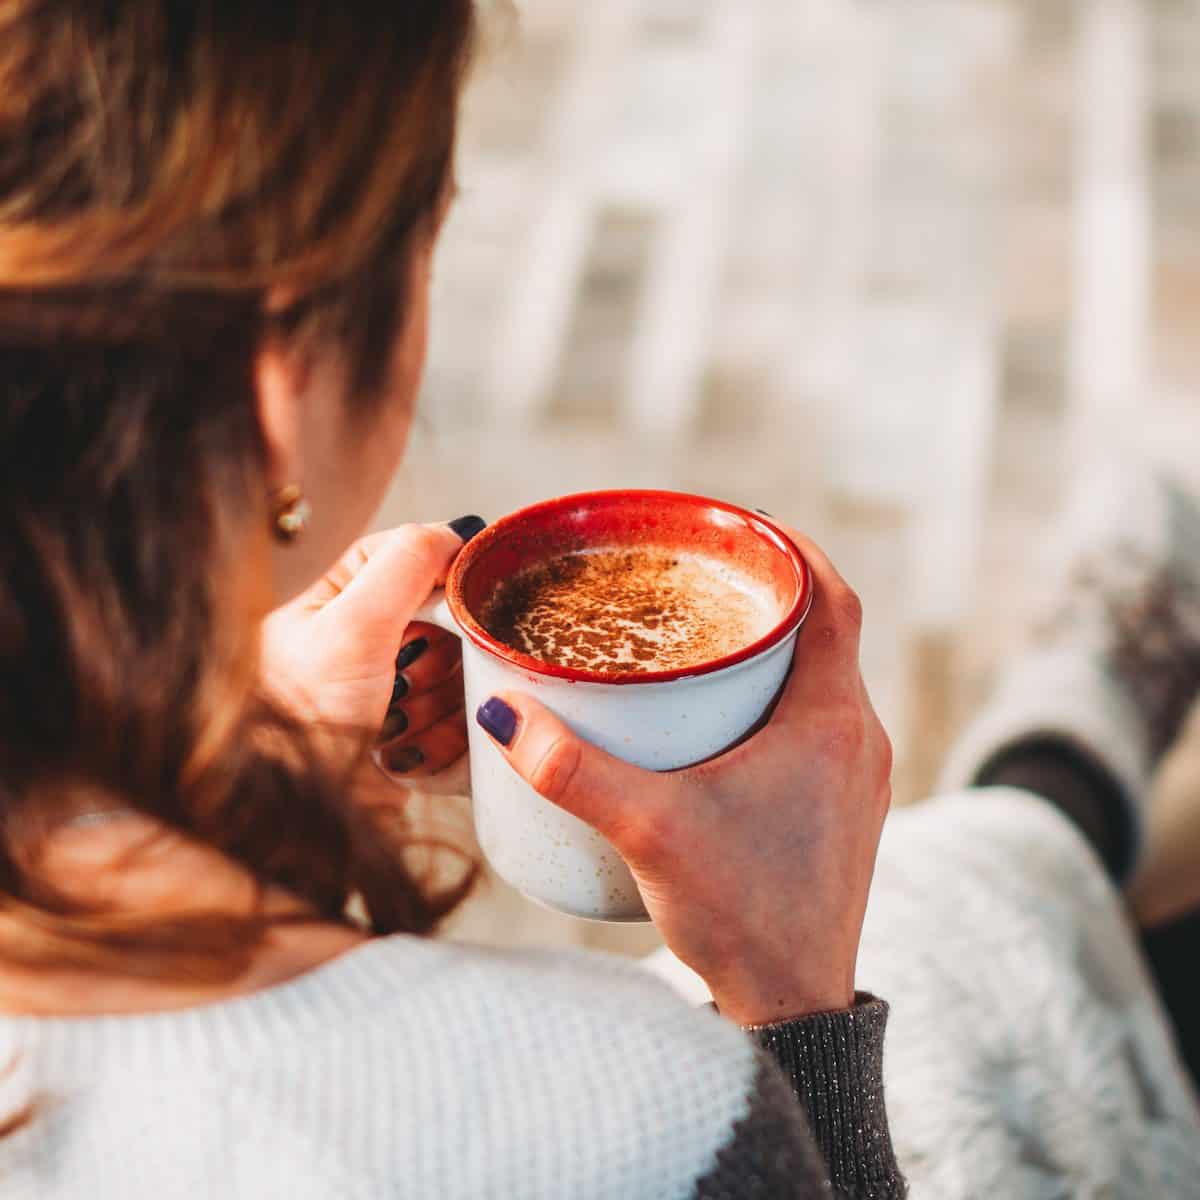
(662, 720)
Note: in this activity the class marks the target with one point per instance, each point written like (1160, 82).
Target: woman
(216, 227)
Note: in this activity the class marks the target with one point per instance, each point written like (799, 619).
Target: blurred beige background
(891, 271)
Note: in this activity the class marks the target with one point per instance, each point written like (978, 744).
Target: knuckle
(885, 798)
(887, 757)
(849, 607)
(420, 541)
(554, 773)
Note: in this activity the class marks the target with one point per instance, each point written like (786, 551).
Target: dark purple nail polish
(468, 527)
(411, 652)
(402, 759)
(399, 690)
(498, 719)
(394, 724)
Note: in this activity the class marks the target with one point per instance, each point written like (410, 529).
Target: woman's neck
(128, 866)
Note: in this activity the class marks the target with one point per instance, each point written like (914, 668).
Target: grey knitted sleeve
(834, 1064)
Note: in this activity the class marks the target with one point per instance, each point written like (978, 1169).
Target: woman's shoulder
(453, 1070)
(558, 996)
(622, 1087)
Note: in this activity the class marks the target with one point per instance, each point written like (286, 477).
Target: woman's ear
(279, 385)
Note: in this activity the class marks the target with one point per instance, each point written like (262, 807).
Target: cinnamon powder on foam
(622, 611)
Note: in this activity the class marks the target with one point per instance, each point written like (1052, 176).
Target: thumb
(617, 799)
(384, 578)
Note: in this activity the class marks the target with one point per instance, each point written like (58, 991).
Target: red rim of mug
(478, 547)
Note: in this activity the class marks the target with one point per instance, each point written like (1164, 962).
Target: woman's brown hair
(168, 170)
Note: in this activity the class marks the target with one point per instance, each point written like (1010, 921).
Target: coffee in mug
(617, 609)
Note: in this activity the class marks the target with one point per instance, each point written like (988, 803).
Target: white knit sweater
(1028, 1053)
(404, 1068)
(1027, 1056)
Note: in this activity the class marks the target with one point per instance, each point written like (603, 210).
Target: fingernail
(411, 652)
(468, 527)
(498, 719)
(395, 723)
(399, 690)
(402, 759)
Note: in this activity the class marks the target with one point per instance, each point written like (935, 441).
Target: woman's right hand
(755, 866)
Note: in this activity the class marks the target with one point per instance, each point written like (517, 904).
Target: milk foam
(618, 610)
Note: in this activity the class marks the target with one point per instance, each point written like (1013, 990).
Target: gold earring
(291, 512)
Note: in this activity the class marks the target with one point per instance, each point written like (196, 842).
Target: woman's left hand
(347, 654)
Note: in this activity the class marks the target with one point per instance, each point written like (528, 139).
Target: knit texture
(770, 1155)
(414, 1068)
(818, 1056)
(1027, 1051)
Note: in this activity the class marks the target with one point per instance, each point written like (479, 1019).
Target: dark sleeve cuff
(834, 1062)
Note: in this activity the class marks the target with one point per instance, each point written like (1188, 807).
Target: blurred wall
(892, 272)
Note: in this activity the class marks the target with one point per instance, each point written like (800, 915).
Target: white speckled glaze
(544, 852)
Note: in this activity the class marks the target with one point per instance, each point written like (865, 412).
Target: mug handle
(435, 611)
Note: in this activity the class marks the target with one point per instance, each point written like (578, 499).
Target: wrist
(763, 1003)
